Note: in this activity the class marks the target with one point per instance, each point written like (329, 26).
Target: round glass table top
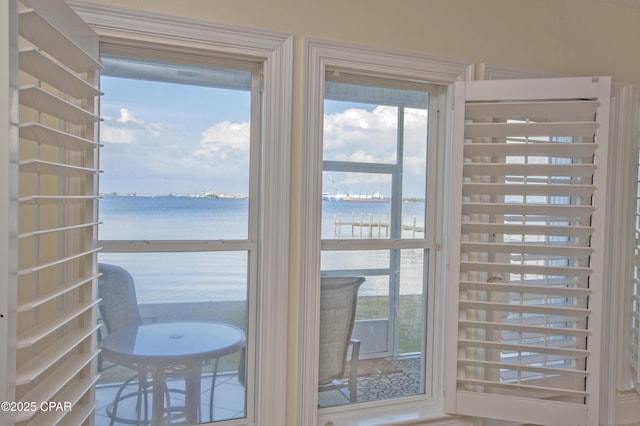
(175, 340)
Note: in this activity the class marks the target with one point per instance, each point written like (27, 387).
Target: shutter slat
(520, 269)
(36, 98)
(528, 289)
(549, 210)
(535, 111)
(30, 371)
(45, 135)
(47, 297)
(34, 62)
(503, 130)
(515, 169)
(33, 336)
(543, 230)
(516, 248)
(523, 387)
(80, 414)
(56, 199)
(567, 310)
(49, 387)
(54, 169)
(35, 28)
(522, 368)
(61, 229)
(41, 167)
(532, 148)
(521, 328)
(59, 261)
(505, 189)
(81, 411)
(517, 348)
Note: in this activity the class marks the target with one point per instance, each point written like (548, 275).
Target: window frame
(322, 55)
(274, 51)
(247, 245)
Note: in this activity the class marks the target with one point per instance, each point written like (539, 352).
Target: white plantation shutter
(634, 288)
(56, 320)
(526, 262)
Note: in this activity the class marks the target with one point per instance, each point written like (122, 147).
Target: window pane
(414, 178)
(176, 163)
(374, 188)
(360, 133)
(199, 297)
(177, 149)
(389, 322)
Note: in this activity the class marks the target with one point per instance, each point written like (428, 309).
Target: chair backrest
(338, 299)
(119, 305)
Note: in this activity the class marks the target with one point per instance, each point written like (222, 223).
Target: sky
(162, 138)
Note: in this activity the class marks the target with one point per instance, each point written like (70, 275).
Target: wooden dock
(370, 226)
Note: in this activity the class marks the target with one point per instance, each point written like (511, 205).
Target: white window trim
(321, 55)
(275, 50)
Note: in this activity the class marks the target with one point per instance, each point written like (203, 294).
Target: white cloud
(128, 128)
(110, 134)
(127, 116)
(370, 136)
(225, 140)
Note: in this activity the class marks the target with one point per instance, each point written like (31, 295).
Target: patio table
(157, 347)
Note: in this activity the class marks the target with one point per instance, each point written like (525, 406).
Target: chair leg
(213, 387)
(353, 374)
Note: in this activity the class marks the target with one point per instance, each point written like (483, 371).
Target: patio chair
(119, 309)
(338, 298)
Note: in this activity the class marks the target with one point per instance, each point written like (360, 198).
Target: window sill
(413, 413)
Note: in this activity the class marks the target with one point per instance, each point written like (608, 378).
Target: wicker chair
(338, 298)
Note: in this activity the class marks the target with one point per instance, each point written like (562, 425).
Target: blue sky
(162, 138)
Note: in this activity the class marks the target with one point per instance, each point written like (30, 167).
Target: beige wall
(582, 37)
(573, 37)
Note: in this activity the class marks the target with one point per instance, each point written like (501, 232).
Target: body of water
(212, 276)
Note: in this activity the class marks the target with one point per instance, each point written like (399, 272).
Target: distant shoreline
(207, 195)
(245, 196)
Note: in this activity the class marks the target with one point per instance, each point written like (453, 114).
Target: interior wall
(580, 37)
(572, 37)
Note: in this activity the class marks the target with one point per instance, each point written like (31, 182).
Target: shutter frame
(56, 345)
(475, 366)
(633, 295)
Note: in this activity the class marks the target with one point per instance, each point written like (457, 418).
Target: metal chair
(338, 299)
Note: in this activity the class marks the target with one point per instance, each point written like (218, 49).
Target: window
(375, 224)
(179, 208)
(375, 150)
